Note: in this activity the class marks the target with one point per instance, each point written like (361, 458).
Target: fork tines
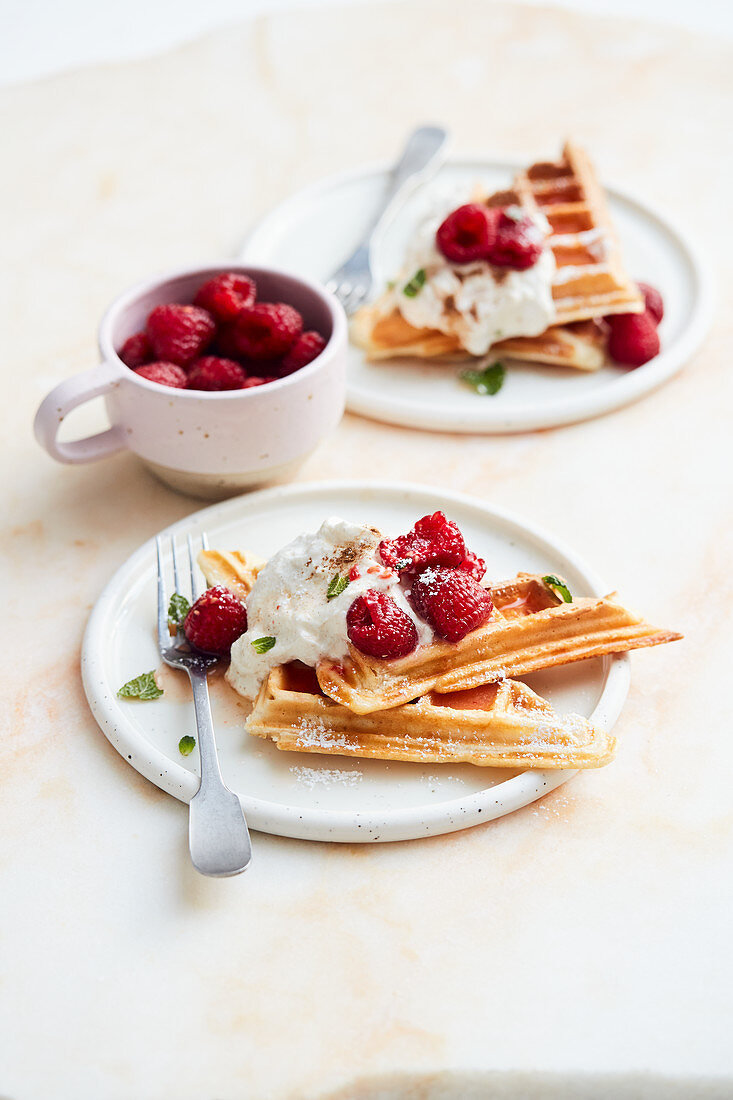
(192, 586)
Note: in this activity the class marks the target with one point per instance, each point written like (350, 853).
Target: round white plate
(313, 231)
(302, 794)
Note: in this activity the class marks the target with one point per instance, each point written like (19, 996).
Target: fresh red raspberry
(434, 540)
(474, 565)
(518, 243)
(267, 330)
(179, 334)
(136, 351)
(451, 600)
(165, 374)
(305, 349)
(226, 344)
(225, 295)
(212, 373)
(215, 621)
(256, 380)
(634, 339)
(653, 301)
(378, 627)
(467, 233)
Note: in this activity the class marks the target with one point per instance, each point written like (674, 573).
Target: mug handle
(67, 396)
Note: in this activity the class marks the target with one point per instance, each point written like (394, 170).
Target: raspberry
(473, 565)
(179, 334)
(225, 295)
(634, 339)
(467, 233)
(378, 627)
(255, 380)
(652, 301)
(305, 349)
(165, 374)
(434, 540)
(215, 621)
(212, 373)
(226, 344)
(518, 243)
(451, 600)
(267, 330)
(136, 351)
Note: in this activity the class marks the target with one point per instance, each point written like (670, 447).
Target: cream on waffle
(531, 628)
(503, 725)
(589, 281)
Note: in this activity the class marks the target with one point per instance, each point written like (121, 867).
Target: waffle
(581, 345)
(235, 570)
(502, 725)
(589, 282)
(530, 629)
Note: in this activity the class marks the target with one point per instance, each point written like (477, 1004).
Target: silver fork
(422, 155)
(218, 837)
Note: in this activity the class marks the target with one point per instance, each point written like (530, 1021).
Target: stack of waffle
(589, 283)
(446, 702)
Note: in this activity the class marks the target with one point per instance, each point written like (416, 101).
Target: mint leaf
(178, 608)
(261, 645)
(415, 284)
(559, 587)
(486, 381)
(337, 586)
(142, 687)
(186, 745)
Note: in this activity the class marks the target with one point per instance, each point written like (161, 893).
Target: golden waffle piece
(502, 725)
(581, 344)
(590, 280)
(237, 571)
(589, 283)
(530, 629)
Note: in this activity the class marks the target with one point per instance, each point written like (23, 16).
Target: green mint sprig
(487, 381)
(416, 283)
(143, 687)
(186, 745)
(559, 587)
(337, 585)
(178, 608)
(262, 645)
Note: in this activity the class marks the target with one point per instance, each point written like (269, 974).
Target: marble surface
(578, 948)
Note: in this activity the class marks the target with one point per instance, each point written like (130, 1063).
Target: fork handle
(217, 831)
(420, 157)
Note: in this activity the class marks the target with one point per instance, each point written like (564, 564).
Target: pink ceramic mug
(207, 444)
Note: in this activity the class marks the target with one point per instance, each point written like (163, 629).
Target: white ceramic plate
(301, 794)
(313, 231)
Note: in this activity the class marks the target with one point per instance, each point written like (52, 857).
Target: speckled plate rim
(315, 823)
(528, 417)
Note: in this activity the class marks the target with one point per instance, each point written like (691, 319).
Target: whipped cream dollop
(476, 302)
(290, 601)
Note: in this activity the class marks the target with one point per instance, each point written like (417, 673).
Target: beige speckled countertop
(578, 948)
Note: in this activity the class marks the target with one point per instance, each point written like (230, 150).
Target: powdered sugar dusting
(312, 733)
(325, 777)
